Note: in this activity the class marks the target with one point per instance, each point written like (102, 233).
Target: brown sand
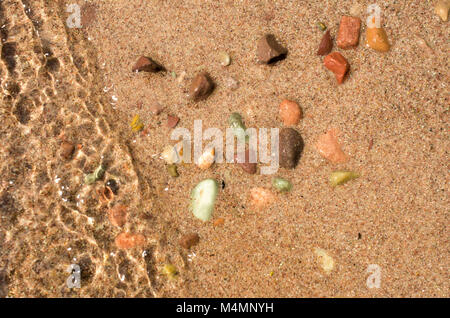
(395, 215)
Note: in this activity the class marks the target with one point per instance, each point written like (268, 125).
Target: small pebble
(225, 59)
(247, 166)
(172, 121)
(376, 38)
(328, 147)
(112, 184)
(281, 184)
(156, 108)
(321, 26)
(348, 34)
(290, 112)
(236, 123)
(170, 271)
(203, 198)
(146, 64)
(261, 197)
(291, 146)
(341, 177)
(269, 50)
(326, 44)
(189, 240)
(170, 155)
(219, 222)
(206, 159)
(326, 261)
(172, 170)
(118, 215)
(136, 124)
(232, 83)
(201, 87)
(67, 149)
(129, 240)
(441, 9)
(337, 63)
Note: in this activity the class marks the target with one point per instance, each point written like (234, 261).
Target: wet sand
(392, 112)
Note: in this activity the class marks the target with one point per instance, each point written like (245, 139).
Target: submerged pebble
(189, 240)
(441, 9)
(146, 64)
(203, 198)
(326, 261)
(261, 197)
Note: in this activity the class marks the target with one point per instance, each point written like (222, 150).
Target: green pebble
(99, 172)
(172, 169)
(89, 178)
(340, 177)
(203, 198)
(236, 123)
(281, 184)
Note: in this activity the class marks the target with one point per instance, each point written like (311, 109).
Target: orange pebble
(219, 222)
(337, 63)
(377, 39)
(261, 197)
(118, 215)
(329, 147)
(290, 112)
(128, 240)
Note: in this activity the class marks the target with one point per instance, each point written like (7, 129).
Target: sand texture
(391, 112)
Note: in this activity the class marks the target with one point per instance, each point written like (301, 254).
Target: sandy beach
(75, 85)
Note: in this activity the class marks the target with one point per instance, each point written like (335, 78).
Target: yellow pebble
(327, 262)
(441, 9)
(377, 39)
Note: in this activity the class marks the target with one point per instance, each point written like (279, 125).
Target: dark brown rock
(201, 87)
(269, 50)
(67, 149)
(291, 146)
(326, 44)
(246, 165)
(189, 240)
(146, 64)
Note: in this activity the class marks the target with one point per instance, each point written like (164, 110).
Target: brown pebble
(269, 50)
(88, 14)
(290, 112)
(118, 215)
(201, 87)
(348, 34)
(67, 149)
(291, 146)
(105, 194)
(146, 64)
(189, 240)
(129, 240)
(172, 121)
(326, 44)
(156, 108)
(246, 165)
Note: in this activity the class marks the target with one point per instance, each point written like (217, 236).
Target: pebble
(236, 123)
(172, 170)
(328, 147)
(170, 155)
(281, 184)
(203, 198)
(341, 177)
(112, 184)
(232, 83)
(189, 240)
(67, 149)
(172, 121)
(291, 146)
(146, 64)
(206, 159)
(129, 240)
(376, 38)
(224, 59)
(201, 87)
(156, 108)
(326, 44)
(247, 166)
(290, 112)
(441, 9)
(261, 197)
(326, 261)
(269, 50)
(348, 34)
(337, 63)
(118, 215)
